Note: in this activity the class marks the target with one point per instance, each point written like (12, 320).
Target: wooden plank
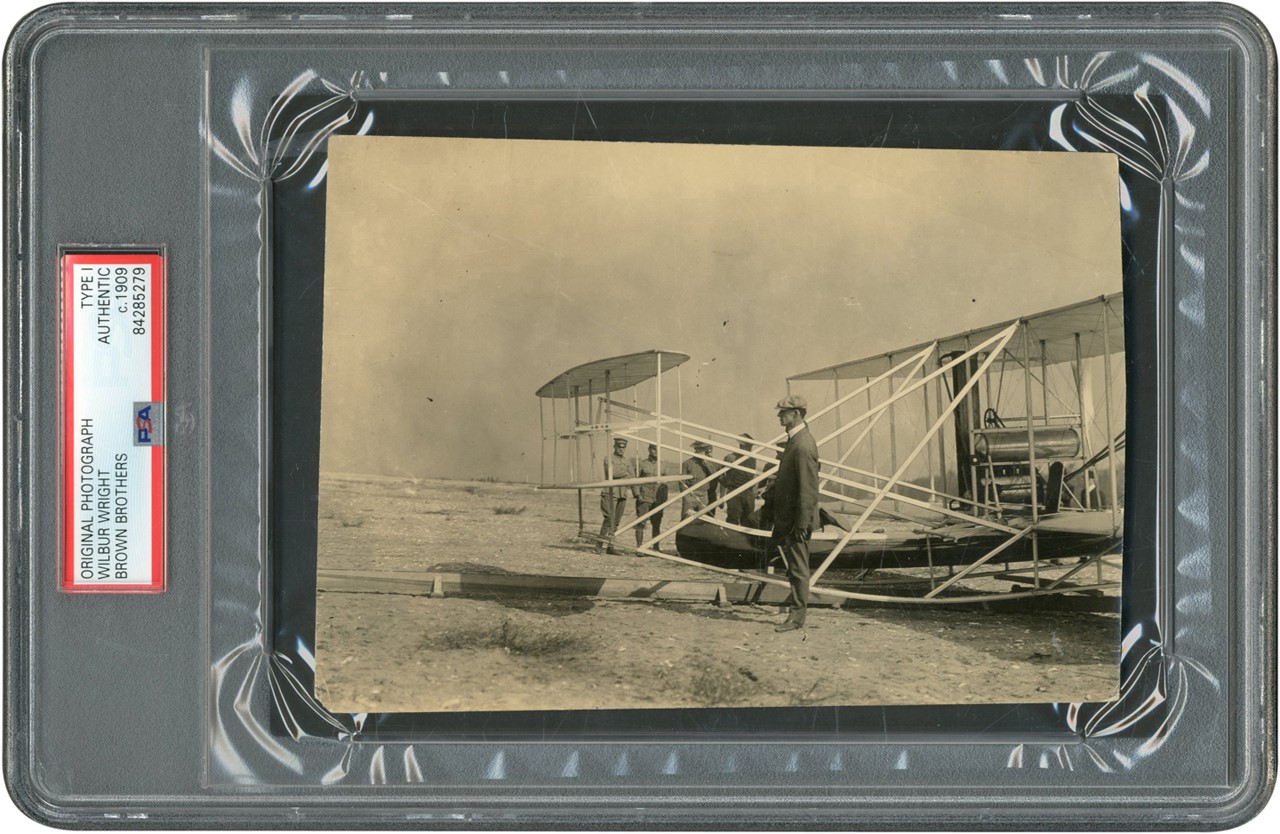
(458, 584)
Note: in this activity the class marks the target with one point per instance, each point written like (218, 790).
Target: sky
(462, 274)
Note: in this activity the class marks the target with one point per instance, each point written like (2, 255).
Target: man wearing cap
(613, 500)
(649, 495)
(740, 506)
(698, 469)
(795, 504)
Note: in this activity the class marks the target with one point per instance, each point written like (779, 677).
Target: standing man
(795, 504)
(613, 500)
(743, 504)
(649, 495)
(698, 468)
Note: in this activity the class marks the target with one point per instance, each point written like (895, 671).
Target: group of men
(793, 499)
(720, 480)
(613, 500)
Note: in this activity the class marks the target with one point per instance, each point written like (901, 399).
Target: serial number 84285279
(131, 284)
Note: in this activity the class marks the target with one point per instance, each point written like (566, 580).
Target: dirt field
(410, 652)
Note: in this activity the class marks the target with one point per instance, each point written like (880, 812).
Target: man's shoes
(789, 625)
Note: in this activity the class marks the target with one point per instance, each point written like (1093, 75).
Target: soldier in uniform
(743, 504)
(649, 495)
(794, 498)
(613, 500)
(697, 469)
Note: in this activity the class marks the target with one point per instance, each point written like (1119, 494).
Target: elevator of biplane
(580, 409)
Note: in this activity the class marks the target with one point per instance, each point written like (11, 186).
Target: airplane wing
(1056, 328)
(616, 373)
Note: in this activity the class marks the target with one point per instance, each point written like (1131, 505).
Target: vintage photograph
(625, 425)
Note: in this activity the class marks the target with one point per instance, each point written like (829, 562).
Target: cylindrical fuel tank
(1013, 445)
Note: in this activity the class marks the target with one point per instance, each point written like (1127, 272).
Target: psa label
(112, 431)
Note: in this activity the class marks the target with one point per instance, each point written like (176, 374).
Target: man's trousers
(795, 552)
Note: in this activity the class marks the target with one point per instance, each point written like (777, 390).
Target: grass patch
(354, 521)
(471, 490)
(510, 636)
(488, 479)
(508, 509)
(715, 685)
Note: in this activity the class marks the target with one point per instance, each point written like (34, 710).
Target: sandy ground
(392, 652)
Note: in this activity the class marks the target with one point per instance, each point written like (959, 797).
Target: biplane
(979, 466)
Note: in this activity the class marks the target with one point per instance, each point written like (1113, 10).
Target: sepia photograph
(629, 425)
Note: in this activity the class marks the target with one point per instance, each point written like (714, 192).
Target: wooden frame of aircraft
(1025, 490)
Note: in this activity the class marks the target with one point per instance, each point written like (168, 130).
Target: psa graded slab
(640, 416)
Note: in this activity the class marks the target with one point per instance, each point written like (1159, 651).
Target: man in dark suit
(795, 504)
